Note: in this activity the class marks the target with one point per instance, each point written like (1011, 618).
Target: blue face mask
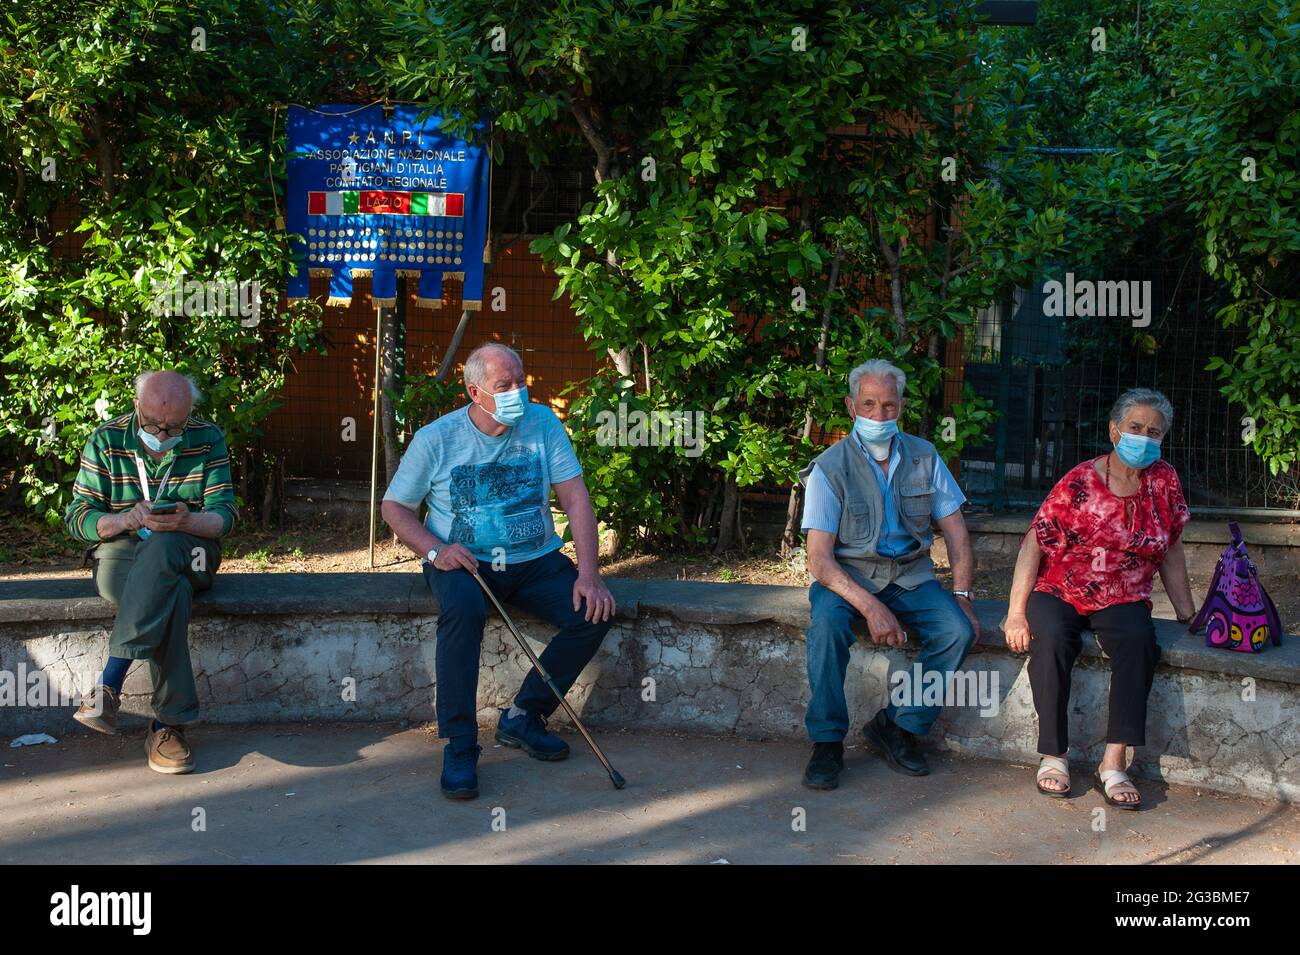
(151, 441)
(511, 406)
(1138, 451)
(875, 432)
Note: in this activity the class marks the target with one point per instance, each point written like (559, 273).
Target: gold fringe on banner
(320, 273)
(384, 302)
(454, 275)
(410, 273)
(487, 250)
(428, 302)
(472, 305)
(339, 300)
(362, 273)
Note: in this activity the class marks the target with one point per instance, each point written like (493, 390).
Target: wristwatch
(432, 555)
(968, 594)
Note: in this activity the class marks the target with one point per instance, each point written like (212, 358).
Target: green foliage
(1230, 131)
(736, 172)
(971, 419)
(424, 397)
(724, 197)
(1185, 97)
(162, 157)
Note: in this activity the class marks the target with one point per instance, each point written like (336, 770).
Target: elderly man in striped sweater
(153, 496)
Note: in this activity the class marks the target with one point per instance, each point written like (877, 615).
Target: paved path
(327, 793)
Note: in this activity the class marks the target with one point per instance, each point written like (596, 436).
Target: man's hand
(177, 520)
(1016, 629)
(968, 609)
(883, 625)
(133, 519)
(455, 557)
(600, 602)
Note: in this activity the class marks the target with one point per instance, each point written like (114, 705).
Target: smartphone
(167, 507)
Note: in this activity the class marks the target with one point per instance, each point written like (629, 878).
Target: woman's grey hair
(195, 395)
(476, 363)
(1147, 397)
(876, 368)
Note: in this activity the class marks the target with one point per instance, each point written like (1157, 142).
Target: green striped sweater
(109, 480)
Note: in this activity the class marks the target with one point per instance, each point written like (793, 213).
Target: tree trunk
(727, 524)
(894, 260)
(388, 385)
(622, 359)
(606, 167)
(789, 536)
(245, 465)
(268, 492)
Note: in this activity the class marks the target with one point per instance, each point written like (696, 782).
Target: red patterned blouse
(1099, 549)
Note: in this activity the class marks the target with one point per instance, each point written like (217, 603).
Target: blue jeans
(542, 587)
(928, 610)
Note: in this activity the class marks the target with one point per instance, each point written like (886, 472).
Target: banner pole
(374, 433)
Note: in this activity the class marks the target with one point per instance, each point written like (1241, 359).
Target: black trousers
(1127, 635)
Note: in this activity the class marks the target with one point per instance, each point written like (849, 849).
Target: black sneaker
(824, 768)
(897, 745)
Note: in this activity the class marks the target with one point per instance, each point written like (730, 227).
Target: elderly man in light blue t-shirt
(871, 499)
(486, 472)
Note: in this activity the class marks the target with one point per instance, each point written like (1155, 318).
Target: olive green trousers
(152, 583)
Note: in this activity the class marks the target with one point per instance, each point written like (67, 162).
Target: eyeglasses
(155, 429)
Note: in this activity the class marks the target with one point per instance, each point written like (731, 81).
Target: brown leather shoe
(168, 751)
(98, 710)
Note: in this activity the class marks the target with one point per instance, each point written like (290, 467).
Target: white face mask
(153, 442)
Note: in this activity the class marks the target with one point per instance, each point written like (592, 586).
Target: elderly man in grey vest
(870, 499)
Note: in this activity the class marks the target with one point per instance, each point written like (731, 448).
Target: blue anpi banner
(370, 196)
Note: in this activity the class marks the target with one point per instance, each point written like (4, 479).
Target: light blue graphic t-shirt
(484, 492)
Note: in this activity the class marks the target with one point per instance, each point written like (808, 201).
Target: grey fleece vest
(861, 509)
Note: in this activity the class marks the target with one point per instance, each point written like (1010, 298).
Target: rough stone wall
(746, 679)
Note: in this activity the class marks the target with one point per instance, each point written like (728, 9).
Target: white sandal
(1112, 779)
(1053, 764)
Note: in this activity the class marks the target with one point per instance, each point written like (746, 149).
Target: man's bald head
(165, 397)
(491, 365)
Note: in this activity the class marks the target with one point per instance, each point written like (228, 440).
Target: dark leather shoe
(824, 768)
(897, 745)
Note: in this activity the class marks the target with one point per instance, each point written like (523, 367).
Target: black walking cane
(615, 776)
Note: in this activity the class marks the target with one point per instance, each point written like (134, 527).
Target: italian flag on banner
(333, 203)
(380, 201)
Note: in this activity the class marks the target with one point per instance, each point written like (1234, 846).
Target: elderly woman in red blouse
(1087, 563)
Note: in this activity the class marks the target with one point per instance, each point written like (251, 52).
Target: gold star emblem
(352, 140)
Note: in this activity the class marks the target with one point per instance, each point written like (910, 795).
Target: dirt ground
(334, 546)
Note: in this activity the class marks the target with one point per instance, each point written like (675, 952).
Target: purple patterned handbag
(1238, 614)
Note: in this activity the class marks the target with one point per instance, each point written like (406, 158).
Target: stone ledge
(704, 657)
(692, 602)
(1200, 530)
